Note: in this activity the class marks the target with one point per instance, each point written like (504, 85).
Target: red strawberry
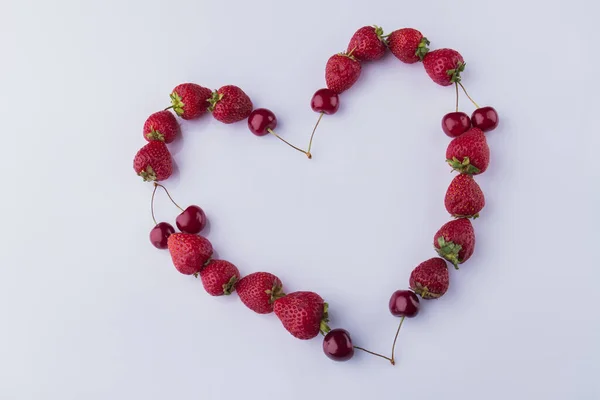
(367, 44)
(464, 197)
(259, 290)
(455, 241)
(444, 66)
(408, 45)
(189, 100)
(303, 314)
(341, 72)
(230, 104)
(153, 162)
(162, 126)
(469, 153)
(430, 279)
(189, 252)
(219, 277)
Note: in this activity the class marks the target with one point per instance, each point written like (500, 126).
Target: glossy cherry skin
(325, 101)
(485, 118)
(160, 233)
(456, 123)
(337, 345)
(191, 220)
(261, 120)
(404, 303)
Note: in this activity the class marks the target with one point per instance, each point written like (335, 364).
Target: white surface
(89, 310)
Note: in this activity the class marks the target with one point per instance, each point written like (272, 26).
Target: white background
(90, 310)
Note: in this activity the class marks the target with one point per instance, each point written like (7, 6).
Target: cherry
(325, 101)
(261, 120)
(485, 118)
(159, 235)
(404, 303)
(191, 220)
(455, 123)
(337, 345)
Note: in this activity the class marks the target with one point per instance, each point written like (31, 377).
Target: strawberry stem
(168, 194)
(465, 90)
(152, 203)
(168, 108)
(391, 360)
(288, 143)
(396, 338)
(312, 135)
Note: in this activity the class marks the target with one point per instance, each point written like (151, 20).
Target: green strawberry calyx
(454, 73)
(464, 166)
(176, 104)
(214, 99)
(424, 292)
(276, 292)
(379, 33)
(229, 287)
(148, 174)
(208, 261)
(422, 48)
(155, 135)
(474, 216)
(324, 328)
(348, 54)
(449, 251)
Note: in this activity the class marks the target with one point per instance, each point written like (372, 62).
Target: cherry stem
(312, 135)
(152, 204)
(456, 85)
(168, 108)
(465, 90)
(376, 354)
(395, 338)
(156, 184)
(271, 131)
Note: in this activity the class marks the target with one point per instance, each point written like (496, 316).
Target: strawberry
(367, 44)
(162, 126)
(455, 241)
(219, 277)
(464, 197)
(189, 252)
(189, 100)
(341, 72)
(408, 45)
(303, 314)
(230, 104)
(430, 279)
(444, 66)
(469, 153)
(259, 290)
(153, 162)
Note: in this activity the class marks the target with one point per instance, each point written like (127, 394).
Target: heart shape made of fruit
(304, 314)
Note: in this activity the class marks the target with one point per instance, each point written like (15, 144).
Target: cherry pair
(337, 344)
(456, 123)
(191, 220)
(261, 121)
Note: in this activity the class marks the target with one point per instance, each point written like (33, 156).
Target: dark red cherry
(404, 303)
(191, 220)
(160, 233)
(485, 118)
(455, 123)
(337, 345)
(325, 101)
(261, 120)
